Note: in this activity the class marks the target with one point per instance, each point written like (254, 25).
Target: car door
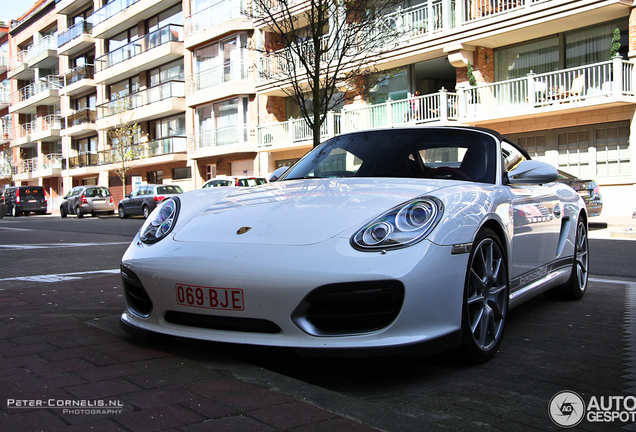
(537, 223)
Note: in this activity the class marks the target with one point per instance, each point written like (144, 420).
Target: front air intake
(136, 297)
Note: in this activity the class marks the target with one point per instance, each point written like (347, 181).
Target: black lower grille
(136, 297)
(350, 308)
(248, 325)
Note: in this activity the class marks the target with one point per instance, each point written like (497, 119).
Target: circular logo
(567, 409)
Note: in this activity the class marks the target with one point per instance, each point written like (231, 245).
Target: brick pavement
(49, 355)
(61, 342)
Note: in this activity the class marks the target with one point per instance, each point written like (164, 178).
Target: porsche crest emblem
(243, 230)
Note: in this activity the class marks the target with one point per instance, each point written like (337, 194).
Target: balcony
(80, 123)
(76, 39)
(221, 18)
(82, 160)
(79, 80)
(6, 134)
(595, 86)
(295, 133)
(21, 134)
(598, 85)
(219, 82)
(71, 7)
(43, 54)
(46, 127)
(4, 62)
(147, 52)
(27, 99)
(45, 165)
(224, 140)
(5, 99)
(125, 14)
(18, 68)
(162, 150)
(155, 102)
(448, 25)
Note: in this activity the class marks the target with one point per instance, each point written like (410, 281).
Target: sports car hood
(298, 212)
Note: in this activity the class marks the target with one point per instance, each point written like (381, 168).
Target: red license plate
(210, 298)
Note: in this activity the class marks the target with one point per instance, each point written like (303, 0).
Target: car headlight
(401, 226)
(161, 221)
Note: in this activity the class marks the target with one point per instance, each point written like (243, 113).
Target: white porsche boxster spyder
(375, 242)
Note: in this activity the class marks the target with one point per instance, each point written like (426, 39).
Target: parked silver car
(83, 200)
(143, 199)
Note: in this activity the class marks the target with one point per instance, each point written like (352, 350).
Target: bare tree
(124, 151)
(319, 52)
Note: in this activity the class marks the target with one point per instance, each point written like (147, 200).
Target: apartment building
(6, 133)
(182, 72)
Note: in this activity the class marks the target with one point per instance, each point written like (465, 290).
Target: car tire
(122, 213)
(486, 298)
(14, 212)
(146, 211)
(63, 213)
(78, 212)
(575, 287)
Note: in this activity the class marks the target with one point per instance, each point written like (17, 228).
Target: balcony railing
(18, 59)
(51, 82)
(5, 97)
(22, 131)
(75, 31)
(586, 83)
(79, 73)
(171, 89)
(110, 10)
(233, 71)
(83, 159)
(48, 42)
(46, 123)
(42, 162)
(419, 20)
(586, 86)
(169, 33)
(297, 130)
(82, 116)
(217, 13)
(159, 147)
(219, 137)
(280, 62)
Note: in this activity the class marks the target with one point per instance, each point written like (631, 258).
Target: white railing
(233, 71)
(47, 123)
(220, 137)
(611, 78)
(48, 42)
(297, 130)
(17, 60)
(167, 90)
(109, 10)
(441, 106)
(51, 82)
(217, 13)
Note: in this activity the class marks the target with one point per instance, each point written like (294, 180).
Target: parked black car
(143, 199)
(588, 189)
(82, 200)
(24, 199)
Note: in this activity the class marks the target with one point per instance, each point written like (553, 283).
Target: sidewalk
(60, 372)
(613, 227)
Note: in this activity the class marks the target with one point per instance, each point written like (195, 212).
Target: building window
(576, 48)
(168, 72)
(391, 84)
(225, 122)
(124, 88)
(155, 177)
(181, 173)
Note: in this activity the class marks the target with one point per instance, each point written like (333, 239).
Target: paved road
(586, 347)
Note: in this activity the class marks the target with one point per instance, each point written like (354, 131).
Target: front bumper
(277, 280)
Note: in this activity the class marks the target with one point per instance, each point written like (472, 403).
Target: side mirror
(533, 172)
(277, 174)
(128, 195)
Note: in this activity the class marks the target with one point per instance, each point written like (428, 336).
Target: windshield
(409, 153)
(169, 190)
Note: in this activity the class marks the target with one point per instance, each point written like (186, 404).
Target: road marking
(15, 229)
(58, 277)
(55, 245)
